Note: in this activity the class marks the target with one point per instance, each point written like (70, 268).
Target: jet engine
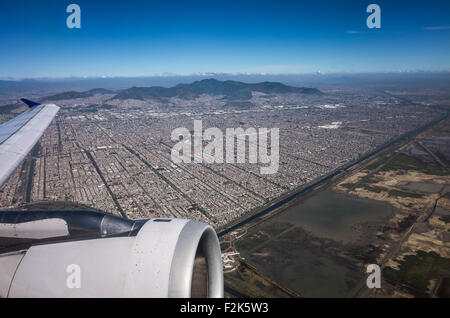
(93, 254)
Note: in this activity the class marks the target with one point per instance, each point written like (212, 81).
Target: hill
(75, 94)
(232, 90)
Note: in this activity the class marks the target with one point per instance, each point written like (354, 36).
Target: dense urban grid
(114, 154)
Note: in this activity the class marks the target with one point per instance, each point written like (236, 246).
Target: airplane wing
(20, 134)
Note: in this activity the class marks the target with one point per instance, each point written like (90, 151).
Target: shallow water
(317, 276)
(334, 215)
(304, 268)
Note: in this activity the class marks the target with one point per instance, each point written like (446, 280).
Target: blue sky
(143, 38)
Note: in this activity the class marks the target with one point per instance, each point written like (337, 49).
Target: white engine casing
(167, 258)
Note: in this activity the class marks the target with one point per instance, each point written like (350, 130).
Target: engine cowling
(155, 258)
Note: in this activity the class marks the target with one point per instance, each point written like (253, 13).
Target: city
(113, 154)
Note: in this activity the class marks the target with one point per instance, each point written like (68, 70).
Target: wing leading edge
(20, 134)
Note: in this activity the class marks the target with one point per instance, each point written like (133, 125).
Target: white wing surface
(20, 134)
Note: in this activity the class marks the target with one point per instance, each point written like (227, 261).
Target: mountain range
(231, 90)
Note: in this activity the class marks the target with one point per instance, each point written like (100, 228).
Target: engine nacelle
(158, 258)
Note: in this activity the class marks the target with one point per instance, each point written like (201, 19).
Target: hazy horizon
(213, 74)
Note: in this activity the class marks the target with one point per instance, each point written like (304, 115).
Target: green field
(416, 271)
